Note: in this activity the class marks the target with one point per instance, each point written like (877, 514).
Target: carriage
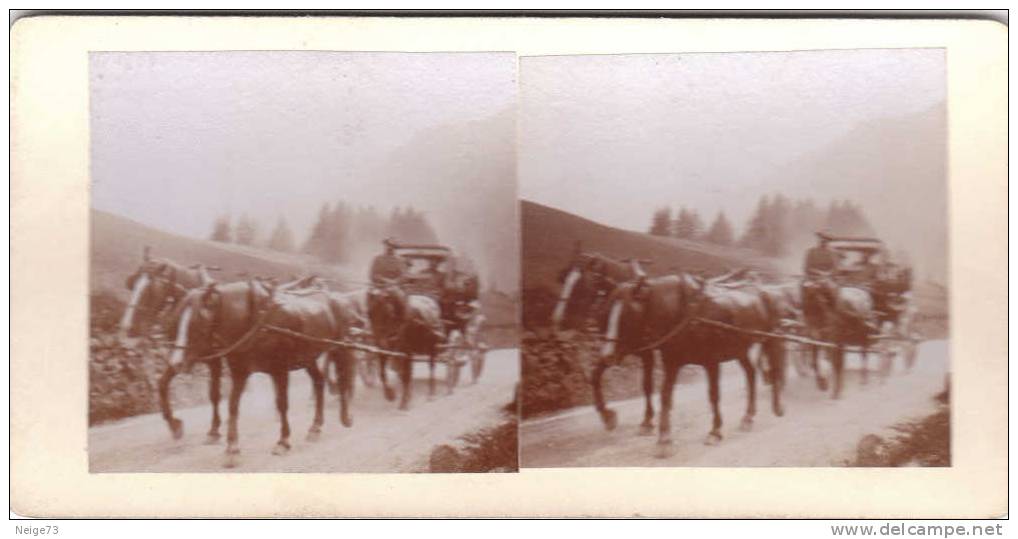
(884, 323)
(435, 271)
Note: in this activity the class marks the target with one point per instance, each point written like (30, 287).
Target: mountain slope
(549, 237)
(117, 245)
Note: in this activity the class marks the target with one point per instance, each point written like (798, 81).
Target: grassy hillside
(117, 245)
(549, 236)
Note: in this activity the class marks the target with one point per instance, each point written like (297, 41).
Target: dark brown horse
(869, 317)
(662, 313)
(156, 287)
(235, 320)
(844, 316)
(409, 325)
(587, 282)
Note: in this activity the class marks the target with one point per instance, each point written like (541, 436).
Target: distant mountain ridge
(896, 169)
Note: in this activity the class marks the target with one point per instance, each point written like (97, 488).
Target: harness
(257, 316)
(178, 291)
(694, 304)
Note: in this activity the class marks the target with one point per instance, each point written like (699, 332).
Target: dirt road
(815, 431)
(382, 439)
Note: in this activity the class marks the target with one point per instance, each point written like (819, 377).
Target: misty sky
(613, 137)
(180, 138)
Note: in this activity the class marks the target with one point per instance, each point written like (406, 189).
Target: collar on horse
(641, 294)
(257, 314)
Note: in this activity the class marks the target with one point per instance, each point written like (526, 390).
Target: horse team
(257, 326)
(689, 319)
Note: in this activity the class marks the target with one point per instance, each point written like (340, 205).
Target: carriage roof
(860, 244)
(434, 252)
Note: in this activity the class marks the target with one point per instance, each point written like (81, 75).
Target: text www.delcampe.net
(924, 530)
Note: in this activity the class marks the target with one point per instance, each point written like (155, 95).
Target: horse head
(586, 282)
(154, 287)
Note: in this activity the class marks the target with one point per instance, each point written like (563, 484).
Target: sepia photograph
(348, 215)
(735, 259)
(636, 265)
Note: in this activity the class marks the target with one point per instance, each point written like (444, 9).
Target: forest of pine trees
(777, 227)
(340, 232)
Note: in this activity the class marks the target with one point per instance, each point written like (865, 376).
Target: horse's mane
(616, 269)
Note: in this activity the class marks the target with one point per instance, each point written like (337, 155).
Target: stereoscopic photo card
(473, 266)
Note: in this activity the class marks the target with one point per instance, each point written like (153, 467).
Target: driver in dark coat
(821, 258)
(388, 267)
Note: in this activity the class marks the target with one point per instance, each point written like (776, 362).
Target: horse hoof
(347, 421)
(646, 429)
(314, 435)
(610, 419)
(404, 406)
(212, 438)
(177, 428)
(390, 394)
(664, 450)
(713, 438)
(822, 385)
(232, 460)
(779, 411)
(747, 424)
(281, 448)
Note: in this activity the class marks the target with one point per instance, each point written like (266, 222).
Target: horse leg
(176, 425)
(714, 392)
(215, 384)
(390, 393)
(406, 378)
(814, 351)
(747, 367)
(281, 382)
(238, 378)
(608, 416)
(911, 351)
(647, 427)
(331, 373)
(664, 441)
(865, 366)
(431, 376)
(775, 351)
(838, 364)
(318, 385)
(887, 354)
(346, 370)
